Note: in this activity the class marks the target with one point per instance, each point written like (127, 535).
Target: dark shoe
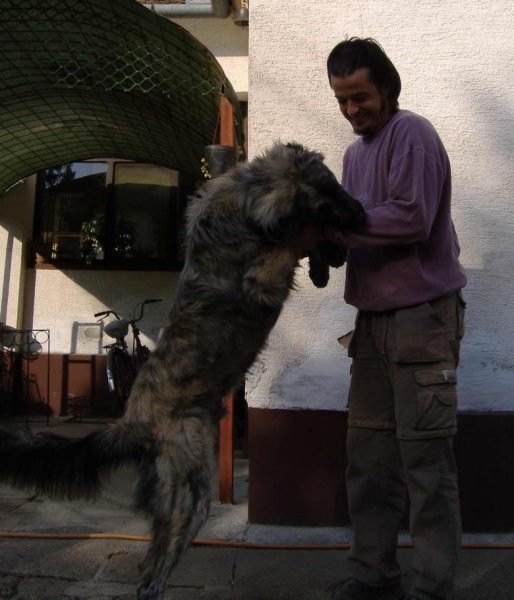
(352, 589)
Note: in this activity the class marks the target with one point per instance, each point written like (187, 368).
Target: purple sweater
(408, 251)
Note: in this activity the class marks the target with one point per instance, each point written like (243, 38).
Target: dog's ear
(273, 214)
(326, 254)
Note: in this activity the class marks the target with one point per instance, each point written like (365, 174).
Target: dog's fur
(244, 240)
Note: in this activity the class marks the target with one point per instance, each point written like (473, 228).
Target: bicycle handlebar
(106, 313)
(149, 301)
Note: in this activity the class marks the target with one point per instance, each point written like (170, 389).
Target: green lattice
(96, 78)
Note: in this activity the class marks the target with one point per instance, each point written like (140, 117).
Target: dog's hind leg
(180, 505)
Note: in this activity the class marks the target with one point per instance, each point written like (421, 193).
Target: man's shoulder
(404, 130)
(412, 124)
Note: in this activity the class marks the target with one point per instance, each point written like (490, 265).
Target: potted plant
(218, 159)
(90, 245)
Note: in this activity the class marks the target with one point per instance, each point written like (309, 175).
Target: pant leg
(435, 525)
(403, 386)
(375, 483)
(426, 407)
(376, 502)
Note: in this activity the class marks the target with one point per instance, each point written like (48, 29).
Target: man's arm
(406, 216)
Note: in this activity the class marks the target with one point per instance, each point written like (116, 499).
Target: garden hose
(224, 543)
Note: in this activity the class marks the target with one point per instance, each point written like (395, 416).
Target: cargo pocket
(419, 335)
(436, 407)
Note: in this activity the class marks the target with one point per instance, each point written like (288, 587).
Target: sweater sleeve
(406, 214)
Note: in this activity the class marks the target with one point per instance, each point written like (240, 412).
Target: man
(404, 277)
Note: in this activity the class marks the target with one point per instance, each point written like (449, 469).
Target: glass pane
(145, 197)
(73, 211)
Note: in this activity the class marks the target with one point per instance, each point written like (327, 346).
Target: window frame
(175, 228)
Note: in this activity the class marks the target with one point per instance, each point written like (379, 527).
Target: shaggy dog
(245, 235)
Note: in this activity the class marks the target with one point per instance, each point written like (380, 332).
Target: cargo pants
(401, 421)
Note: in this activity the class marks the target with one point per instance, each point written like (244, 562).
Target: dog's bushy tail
(68, 468)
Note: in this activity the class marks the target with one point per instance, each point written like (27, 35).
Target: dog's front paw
(325, 254)
(318, 269)
(332, 254)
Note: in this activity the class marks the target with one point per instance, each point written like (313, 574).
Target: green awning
(103, 78)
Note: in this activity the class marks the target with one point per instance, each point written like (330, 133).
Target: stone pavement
(80, 569)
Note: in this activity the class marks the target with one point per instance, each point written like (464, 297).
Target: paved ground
(53, 569)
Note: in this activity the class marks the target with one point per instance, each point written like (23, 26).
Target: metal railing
(22, 389)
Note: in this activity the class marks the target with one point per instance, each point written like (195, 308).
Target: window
(110, 214)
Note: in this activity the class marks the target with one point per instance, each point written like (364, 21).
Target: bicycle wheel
(120, 374)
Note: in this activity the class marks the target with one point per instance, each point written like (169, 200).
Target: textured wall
(65, 301)
(456, 60)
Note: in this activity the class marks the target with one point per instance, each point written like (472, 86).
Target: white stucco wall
(456, 60)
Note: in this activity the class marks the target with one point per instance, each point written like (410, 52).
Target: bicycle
(122, 366)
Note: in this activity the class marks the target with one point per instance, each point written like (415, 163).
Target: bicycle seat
(117, 329)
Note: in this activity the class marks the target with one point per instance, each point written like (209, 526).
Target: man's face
(362, 103)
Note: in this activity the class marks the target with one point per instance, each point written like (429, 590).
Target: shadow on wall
(483, 206)
(486, 372)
